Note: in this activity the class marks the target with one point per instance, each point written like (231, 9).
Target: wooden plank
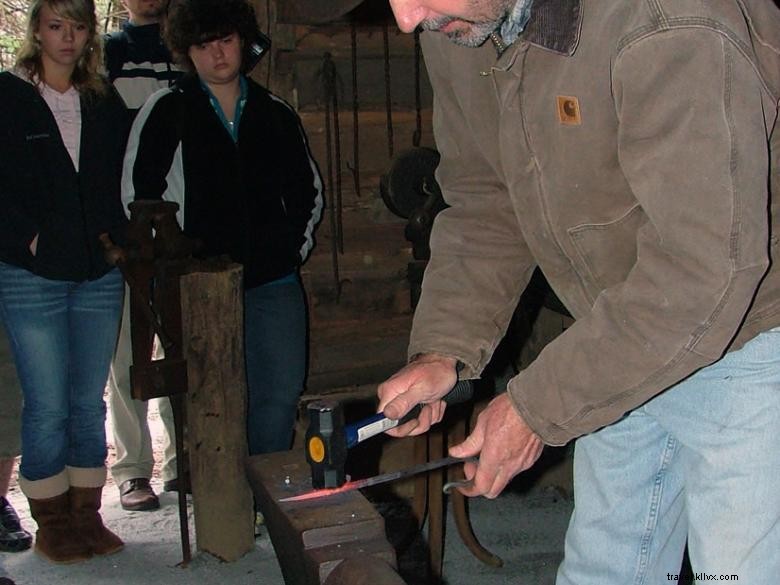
(212, 320)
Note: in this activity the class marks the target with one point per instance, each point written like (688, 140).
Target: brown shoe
(56, 539)
(137, 495)
(84, 512)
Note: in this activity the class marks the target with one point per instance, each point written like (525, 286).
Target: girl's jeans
(275, 349)
(62, 337)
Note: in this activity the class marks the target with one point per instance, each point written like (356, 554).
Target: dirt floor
(526, 531)
(524, 528)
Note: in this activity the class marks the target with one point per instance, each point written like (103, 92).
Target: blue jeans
(699, 462)
(275, 352)
(62, 337)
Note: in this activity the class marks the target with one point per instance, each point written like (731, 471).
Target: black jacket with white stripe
(257, 200)
(138, 63)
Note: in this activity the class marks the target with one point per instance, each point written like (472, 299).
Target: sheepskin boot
(84, 511)
(57, 539)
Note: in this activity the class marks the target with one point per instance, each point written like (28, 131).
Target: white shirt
(66, 108)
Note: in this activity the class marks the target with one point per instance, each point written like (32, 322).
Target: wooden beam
(212, 323)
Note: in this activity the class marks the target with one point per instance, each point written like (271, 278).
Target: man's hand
(425, 380)
(505, 446)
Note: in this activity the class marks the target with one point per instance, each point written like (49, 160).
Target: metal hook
(451, 485)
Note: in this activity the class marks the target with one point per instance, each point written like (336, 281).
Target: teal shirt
(231, 127)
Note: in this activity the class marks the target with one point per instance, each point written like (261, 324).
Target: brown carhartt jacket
(622, 147)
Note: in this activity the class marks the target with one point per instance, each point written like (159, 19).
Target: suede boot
(84, 510)
(57, 539)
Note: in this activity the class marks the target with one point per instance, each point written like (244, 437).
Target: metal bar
(388, 96)
(328, 89)
(177, 406)
(337, 163)
(355, 168)
(359, 484)
(417, 136)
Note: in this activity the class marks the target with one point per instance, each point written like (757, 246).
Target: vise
(151, 263)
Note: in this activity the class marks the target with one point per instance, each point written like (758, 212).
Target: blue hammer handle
(379, 423)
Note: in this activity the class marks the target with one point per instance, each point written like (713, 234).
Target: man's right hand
(425, 380)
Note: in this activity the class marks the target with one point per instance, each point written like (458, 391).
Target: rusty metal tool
(151, 265)
(377, 479)
(328, 439)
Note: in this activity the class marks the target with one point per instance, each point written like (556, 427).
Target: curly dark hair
(191, 22)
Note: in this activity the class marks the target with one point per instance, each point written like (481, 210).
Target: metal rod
(177, 406)
(355, 168)
(388, 96)
(417, 94)
(331, 215)
(337, 165)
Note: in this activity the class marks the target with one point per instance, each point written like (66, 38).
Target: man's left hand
(505, 444)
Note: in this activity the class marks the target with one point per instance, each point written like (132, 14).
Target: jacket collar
(554, 25)
(146, 31)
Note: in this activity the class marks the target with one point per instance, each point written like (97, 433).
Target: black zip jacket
(42, 193)
(257, 200)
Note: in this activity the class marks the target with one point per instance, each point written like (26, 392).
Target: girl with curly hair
(236, 159)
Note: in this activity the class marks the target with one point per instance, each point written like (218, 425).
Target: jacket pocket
(606, 252)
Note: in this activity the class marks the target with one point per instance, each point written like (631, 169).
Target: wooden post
(213, 345)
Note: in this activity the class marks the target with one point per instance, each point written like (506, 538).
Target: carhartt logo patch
(569, 110)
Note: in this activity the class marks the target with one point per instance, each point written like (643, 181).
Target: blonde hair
(87, 76)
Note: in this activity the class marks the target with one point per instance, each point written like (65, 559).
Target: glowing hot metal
(377, 479)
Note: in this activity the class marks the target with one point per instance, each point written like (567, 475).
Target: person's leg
(275, 348)
(85, 499)
(56, 539)
(93, 322)
(13, 538)
(168, 465)
(134, 461)
(6, 471)
(34, 311)
(94, 314)
(628, 524)
(10, 400)
(727, 418)
(168, 469)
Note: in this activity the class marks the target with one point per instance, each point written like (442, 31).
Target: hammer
(328, 438)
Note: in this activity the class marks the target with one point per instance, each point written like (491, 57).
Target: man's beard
(153, 11)
(478, 30)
